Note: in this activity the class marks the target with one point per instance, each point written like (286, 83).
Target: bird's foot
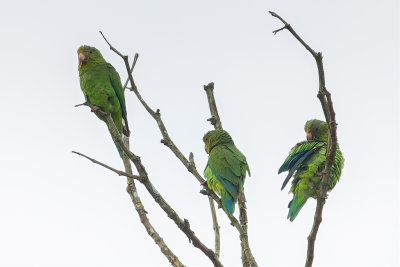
(126, 132)
(94, 108)
(204, 183)
(320, 174)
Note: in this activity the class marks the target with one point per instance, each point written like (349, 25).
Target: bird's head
(89, 56)
(316, 130)
(214, 138)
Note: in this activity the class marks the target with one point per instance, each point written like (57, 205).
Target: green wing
(240, 157)
(119, 91)
(228, 169)
(222, 163)
(226, 164)
(225, 173)
(225, 189)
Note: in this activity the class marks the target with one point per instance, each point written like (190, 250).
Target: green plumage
(306, 161)
(226, 168)
(101, 86)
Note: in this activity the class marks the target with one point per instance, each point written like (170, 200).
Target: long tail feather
(228, 203)
(119, 148)
(295, 206)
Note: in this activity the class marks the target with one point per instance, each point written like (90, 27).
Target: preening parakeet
(306, 161)
(226, 168)
(101, 85)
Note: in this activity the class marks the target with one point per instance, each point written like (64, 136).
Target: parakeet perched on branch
(101, 85)
(306, 161)
(226, 168)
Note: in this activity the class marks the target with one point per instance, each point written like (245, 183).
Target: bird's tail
(295, 205)
(119, 148)
(228, 204)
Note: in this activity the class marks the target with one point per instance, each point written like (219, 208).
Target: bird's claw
(94, 108)
(204, 183)
(126, 132)
(320, 174)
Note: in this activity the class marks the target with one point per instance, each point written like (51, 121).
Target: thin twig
(120, 173)
(290, 29)
(247, 257)
(215, 119)
(217, 243)
(111, 47)
(327, 106)
(131, 70)
(278, 30)
(79, 105)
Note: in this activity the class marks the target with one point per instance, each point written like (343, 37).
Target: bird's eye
(91, 51)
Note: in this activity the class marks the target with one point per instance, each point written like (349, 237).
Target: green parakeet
(306, 161)
(101, 86)
(226, 168)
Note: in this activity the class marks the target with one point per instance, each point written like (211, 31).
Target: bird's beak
(309, 136)
(82, 59)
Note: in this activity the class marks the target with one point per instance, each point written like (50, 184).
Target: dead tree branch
(131, 70)
(184, 224)
(131, 188)
(217, 243)
(120, 173)
(327, 106)
(132, 191)
(167, 141)
(247, 256)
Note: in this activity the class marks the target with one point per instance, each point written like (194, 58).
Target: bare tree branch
(167, 141)
(131, 70)
(120, 173)
(290, 29)
(215, 119)
(131, 187)
(247, 257)
(183, 225)
(327, 106)
(217, 242)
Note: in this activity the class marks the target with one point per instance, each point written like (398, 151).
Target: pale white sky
(57, 209)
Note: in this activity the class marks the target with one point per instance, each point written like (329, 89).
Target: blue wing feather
(229, 187)
(295, 162)
(288, 165)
